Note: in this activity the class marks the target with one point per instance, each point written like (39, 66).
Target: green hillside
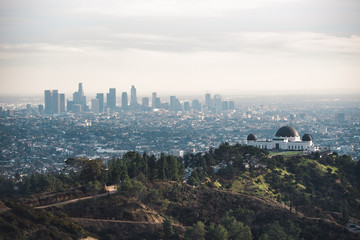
(231, 192)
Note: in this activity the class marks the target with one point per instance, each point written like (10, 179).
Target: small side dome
(251, 137)
(306, 138)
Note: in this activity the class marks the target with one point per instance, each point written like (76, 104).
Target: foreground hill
(232, 192)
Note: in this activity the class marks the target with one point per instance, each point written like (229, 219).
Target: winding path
(110, 190)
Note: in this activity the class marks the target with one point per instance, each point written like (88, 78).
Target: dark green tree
(196, 232)
(168, 228)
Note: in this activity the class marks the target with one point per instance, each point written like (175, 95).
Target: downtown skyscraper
(54, 102)
(133, 99)
(100, 97)
(124, 101)
(111, 99)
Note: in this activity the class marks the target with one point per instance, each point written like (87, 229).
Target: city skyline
(54, 102)
(180, 47)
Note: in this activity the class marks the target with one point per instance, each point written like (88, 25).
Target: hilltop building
(286, 139)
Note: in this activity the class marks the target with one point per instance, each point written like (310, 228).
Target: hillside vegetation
(231, 192)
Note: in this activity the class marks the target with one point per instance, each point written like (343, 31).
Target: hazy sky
(179, 46)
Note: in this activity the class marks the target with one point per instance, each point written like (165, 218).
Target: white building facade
(286, 139)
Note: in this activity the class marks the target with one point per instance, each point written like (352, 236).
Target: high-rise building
(208, 101)
(62, 102)
(133, 98)
(153, 100)
(95, 105)
(100, 97)
(231, 105)
(69, 105)
(28, 109)
(172, 103)
(124, 101)
(80, 98)
(48, 101)
(111, 99)
(76, 108)
(196, 105)
(41, 109)
(157, 103)
(186, 106)
(218, 103)
(145, 102)
(55, 101)
(225, 105)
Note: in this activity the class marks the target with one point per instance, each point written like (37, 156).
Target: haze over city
(282, 46)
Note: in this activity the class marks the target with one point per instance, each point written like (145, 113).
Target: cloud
(311, 42)
(40, 47)
(256, 42)
(170, 8)
(290, 42)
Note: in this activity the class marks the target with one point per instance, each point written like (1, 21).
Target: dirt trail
(122, 221)
(113, 220)
(110, 190)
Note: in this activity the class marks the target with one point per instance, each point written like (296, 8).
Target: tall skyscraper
(79, 97)
(225, 105)
(133, 99)
(48, 101)
(186, 106)
(145, 102)
(207, 102)
(111, 99)
(124, 101)
(175, 104)
(196, 105)
(62, 102)
(78, 104)
(153, 100)
(172, 103)
(100, 97)
(218, 103)
(41, 109)
(28, 109)
(95, 105)
(55, 101)
(69, 105)
(231, 105)
(157, 103)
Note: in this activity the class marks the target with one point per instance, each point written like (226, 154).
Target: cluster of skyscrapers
(55, 103)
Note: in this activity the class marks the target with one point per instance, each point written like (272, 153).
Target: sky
(180, 46)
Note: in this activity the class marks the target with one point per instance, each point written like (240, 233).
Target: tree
(168, 228)
(172, 168)
(162, 167)
(237, 231)
(152, 168)
(264, 236)
(196, 232)
(276, 232)
(86, 170)
(194, 179)
(117, 171)
(217, 233)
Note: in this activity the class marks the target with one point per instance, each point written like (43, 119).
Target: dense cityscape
(38, 139)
